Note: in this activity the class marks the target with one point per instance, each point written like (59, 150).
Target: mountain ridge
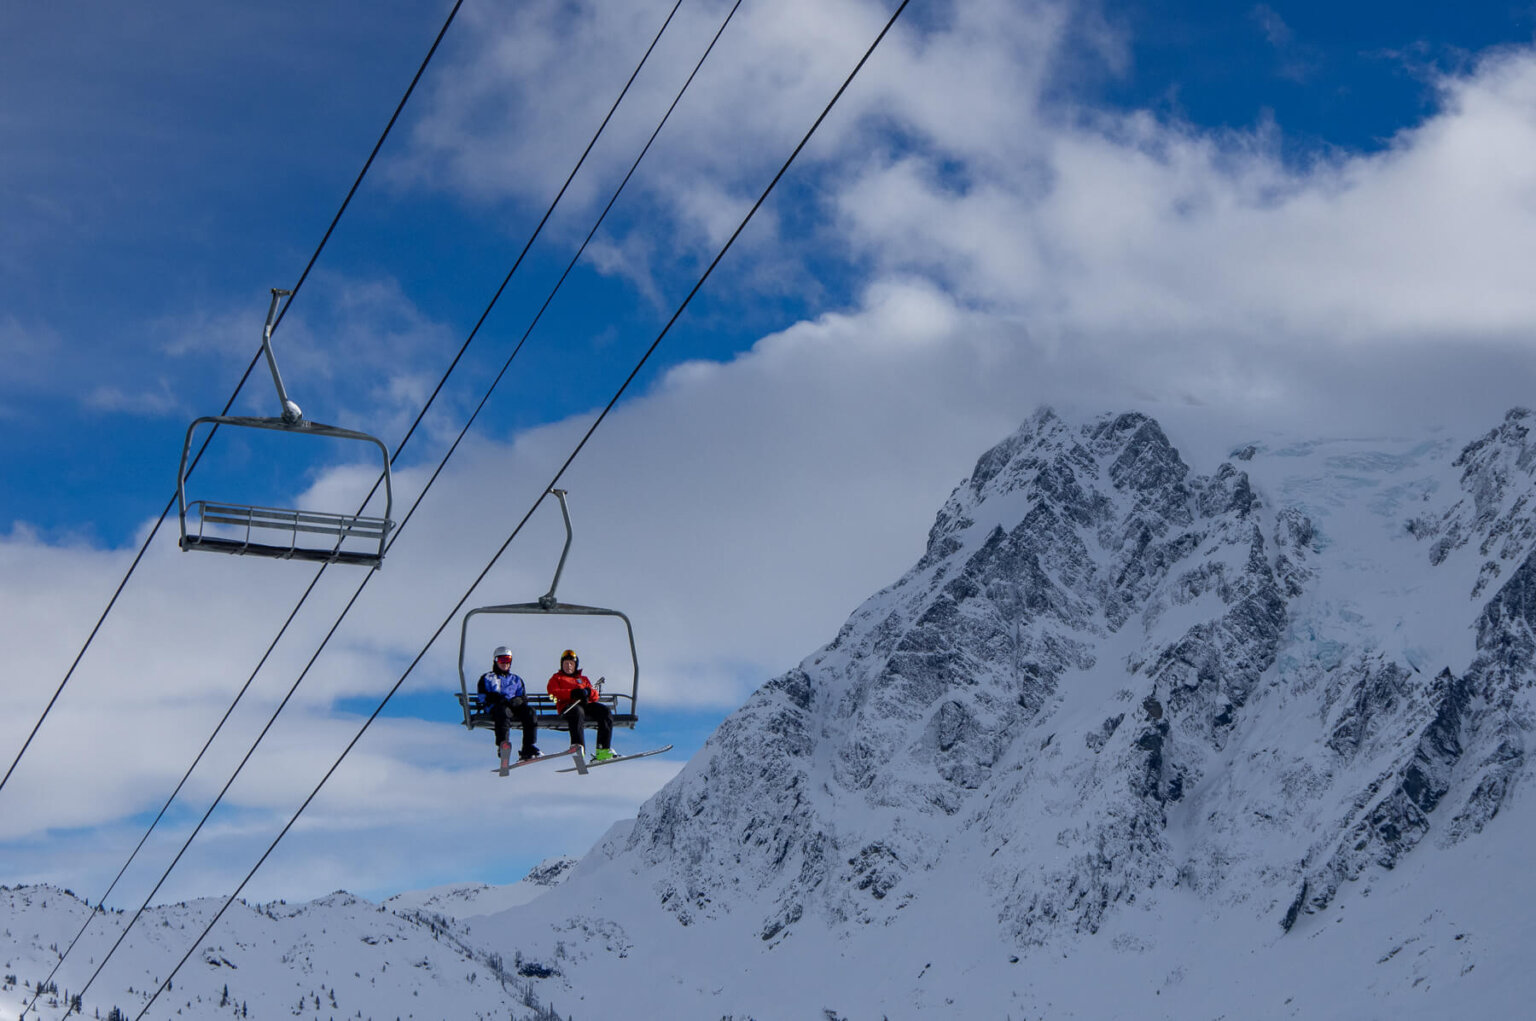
(1101, 639)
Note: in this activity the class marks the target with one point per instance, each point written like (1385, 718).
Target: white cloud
(1146, 227)
(1080, 221)
(31, 353)
(526, 90)
(158, 401)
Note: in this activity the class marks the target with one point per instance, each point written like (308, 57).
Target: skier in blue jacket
(506, 699)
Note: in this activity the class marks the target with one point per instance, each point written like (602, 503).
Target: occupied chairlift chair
(543, 706)
(285, 534)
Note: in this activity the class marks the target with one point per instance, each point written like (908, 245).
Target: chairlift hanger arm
(548, 600)
(291, 415)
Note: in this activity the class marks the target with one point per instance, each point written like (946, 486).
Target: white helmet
(502, 652)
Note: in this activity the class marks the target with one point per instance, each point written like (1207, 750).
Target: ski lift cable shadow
(286, 534)
(623, 705)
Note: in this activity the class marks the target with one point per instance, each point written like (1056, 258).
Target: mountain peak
(1110, 678)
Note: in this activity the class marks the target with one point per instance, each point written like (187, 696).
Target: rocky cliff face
(1111, 674)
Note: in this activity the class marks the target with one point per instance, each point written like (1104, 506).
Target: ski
(582, 767)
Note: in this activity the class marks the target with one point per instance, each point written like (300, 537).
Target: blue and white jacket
(501, 687)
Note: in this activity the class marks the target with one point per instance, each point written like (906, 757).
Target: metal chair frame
(267, 521)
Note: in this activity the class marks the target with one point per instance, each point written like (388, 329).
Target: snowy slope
(335, 957)
(1129, 740)
(1133, 739)
(468, 900)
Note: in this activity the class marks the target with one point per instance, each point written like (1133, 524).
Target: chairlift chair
(621, 704)
(276, 532)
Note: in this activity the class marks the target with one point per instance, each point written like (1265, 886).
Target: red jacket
(561, 685)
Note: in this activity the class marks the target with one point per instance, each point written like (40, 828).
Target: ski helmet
(571, 655)
(502, 652)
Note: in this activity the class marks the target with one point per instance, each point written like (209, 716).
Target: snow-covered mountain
(468, 900)
(1132, 739)
(332, 958)
(1129, 740)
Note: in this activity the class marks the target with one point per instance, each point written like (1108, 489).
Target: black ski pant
(576, 718)
(504, 713)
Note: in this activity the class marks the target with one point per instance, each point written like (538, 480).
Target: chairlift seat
(277, 520)
(543, 712)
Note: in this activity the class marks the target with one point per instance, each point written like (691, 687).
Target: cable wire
(236, 393)
(412, 510)
(586, 437)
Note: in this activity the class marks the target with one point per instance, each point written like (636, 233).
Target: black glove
(578, 695)
(518, 701)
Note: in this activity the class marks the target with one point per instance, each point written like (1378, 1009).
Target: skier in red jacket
(576, 700)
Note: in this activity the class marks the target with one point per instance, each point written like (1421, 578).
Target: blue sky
(1349, 75)
(1285, 217)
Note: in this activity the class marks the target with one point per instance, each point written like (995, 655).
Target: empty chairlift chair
(243, 529)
